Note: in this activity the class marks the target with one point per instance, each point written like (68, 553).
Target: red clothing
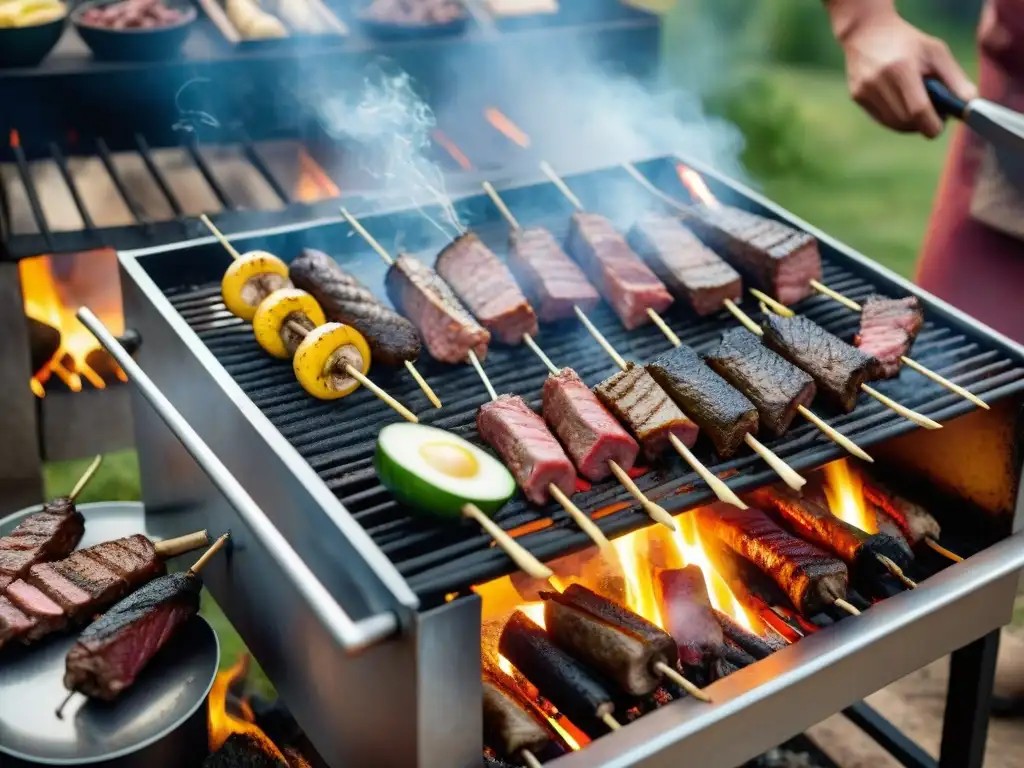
(969, 265)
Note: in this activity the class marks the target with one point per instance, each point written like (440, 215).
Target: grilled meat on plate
(114, 649)
(448, 330)
(811, 578)
(344, 299)
(888, 328)
(724, 414)
(627, 283)
(590, 434)
(552, 281)
(483, 281)
(836, 367)
(48, 535)
(773, 384)
(526, 446)
(688, 267)
(637, 400)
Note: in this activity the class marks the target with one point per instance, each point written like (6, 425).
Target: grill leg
(888, 736)
(972, 672)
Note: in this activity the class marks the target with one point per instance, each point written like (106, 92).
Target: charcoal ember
(274, 719)
(242, 751)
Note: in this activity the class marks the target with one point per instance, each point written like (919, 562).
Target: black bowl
(133, 44)
(28, 46)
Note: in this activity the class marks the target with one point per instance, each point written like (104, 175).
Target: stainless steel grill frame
(413, 699)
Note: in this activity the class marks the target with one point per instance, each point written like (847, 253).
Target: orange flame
(697, 186)
(15, 140)
(503, 124)
(452, 149)
(506, 666)
(639, 575)
(313, 184)
(845, 494)
(222, 723)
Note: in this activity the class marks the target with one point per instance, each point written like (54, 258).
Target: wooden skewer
(610, 721)
(529, 760)
(896, 571)
(850, 609)
(579, 517)
(520, 556)
(220, 236)
(86, 477)
(682, 682)
(928, 540)
(939, 379)
(179, 545)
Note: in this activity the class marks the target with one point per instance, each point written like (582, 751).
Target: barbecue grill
(360, 610)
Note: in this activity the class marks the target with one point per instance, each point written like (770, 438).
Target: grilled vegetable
(620, 644)
(436, 471)
(276, 312)
(249, 280)
(688, 617)
(321, 357)
(510, 725)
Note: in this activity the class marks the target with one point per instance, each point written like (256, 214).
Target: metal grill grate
(338, 438)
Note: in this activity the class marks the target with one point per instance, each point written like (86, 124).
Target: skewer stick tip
(944, 382)
(910, 415)
(934, 545)
(835, 295)
(370, 239)
(789, 475)
(850, 609)
(777, 307)
(599, 337)
(181, 544)
(220, 236)
(608, 719)
(835, 435)
(746, 320)
(579, 517)
(720, 489)
(86, 477)
(198, 565)
(519, 554)
(682, 682)
(659, 321)
(896, 571)
(654, 511)
(400, 409)
(475, 362)
(423, 385)
(60, 709)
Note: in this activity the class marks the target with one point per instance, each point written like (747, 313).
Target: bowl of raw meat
(410, 19)
(134, 30)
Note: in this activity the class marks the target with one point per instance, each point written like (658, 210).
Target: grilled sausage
(743, 638)
(687, 614)
(913, 520)
(509, 724)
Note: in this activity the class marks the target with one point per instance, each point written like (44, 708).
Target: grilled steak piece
(132, 557)
(688, 267)
(483, 281)
(811, 578)
(688, 617)
(888, 328)
(114, 649)
(913, 520)
(526, 445)
(13, 623)
(780, 259)
(509, 724)
(73, 600)
(551, 280)
(590, 434)
(836, 367)
(724, 414)
(448, 330)
(41, 537)
(49, 617)
(637, 401)
(344, 299)
(625, 281)
(773, 384)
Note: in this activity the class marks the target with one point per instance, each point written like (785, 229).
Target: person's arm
(887, 60)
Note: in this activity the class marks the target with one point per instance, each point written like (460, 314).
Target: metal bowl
(160, 722)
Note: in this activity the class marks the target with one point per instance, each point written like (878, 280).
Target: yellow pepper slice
(320, 360)
(250, 279)
(270, 323)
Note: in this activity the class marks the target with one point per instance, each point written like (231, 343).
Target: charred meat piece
(590, 434)
(836, 367)
(14, 623)
(626, 282)
(551, 280)
(913, 520)
(510, 725)
(780, 259)
(688, 617)
(447, 328)
(134, 558)
(487, 287)
(725, 415)
(688, 267)
(620, 644)
(114, 649)
(576, 692)
(637, 401)
(344, 299)
(888, 328)
(773, 384)
(526, 445)
(751, 644)
(811, 578)
(41, 537)
(73, 600)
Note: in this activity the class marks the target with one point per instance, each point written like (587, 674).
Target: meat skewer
(50, 534)
(392, 338)
(289, 323)
(511, 728)
(787, 473)
(66, 592)
(617, 642)
(689, 618)
(913, 520)
(110, 653)
(532, 453)
(808, 345)
(810, 577)
(889, 365)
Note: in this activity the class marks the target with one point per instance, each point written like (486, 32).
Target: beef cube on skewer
(772, 383)
(688, 617)
(591, 435)
(487, 287)
(526, 446)
(626, 282)
(836, 367)
(811, 578)
(551, 280)
(888, 328)
(447, 328)
(724, 414)
(689, 268)
(637, 400)
(780, 259)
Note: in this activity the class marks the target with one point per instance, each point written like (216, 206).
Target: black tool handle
(945, 101)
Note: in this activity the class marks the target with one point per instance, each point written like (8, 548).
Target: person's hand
(887, 60)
